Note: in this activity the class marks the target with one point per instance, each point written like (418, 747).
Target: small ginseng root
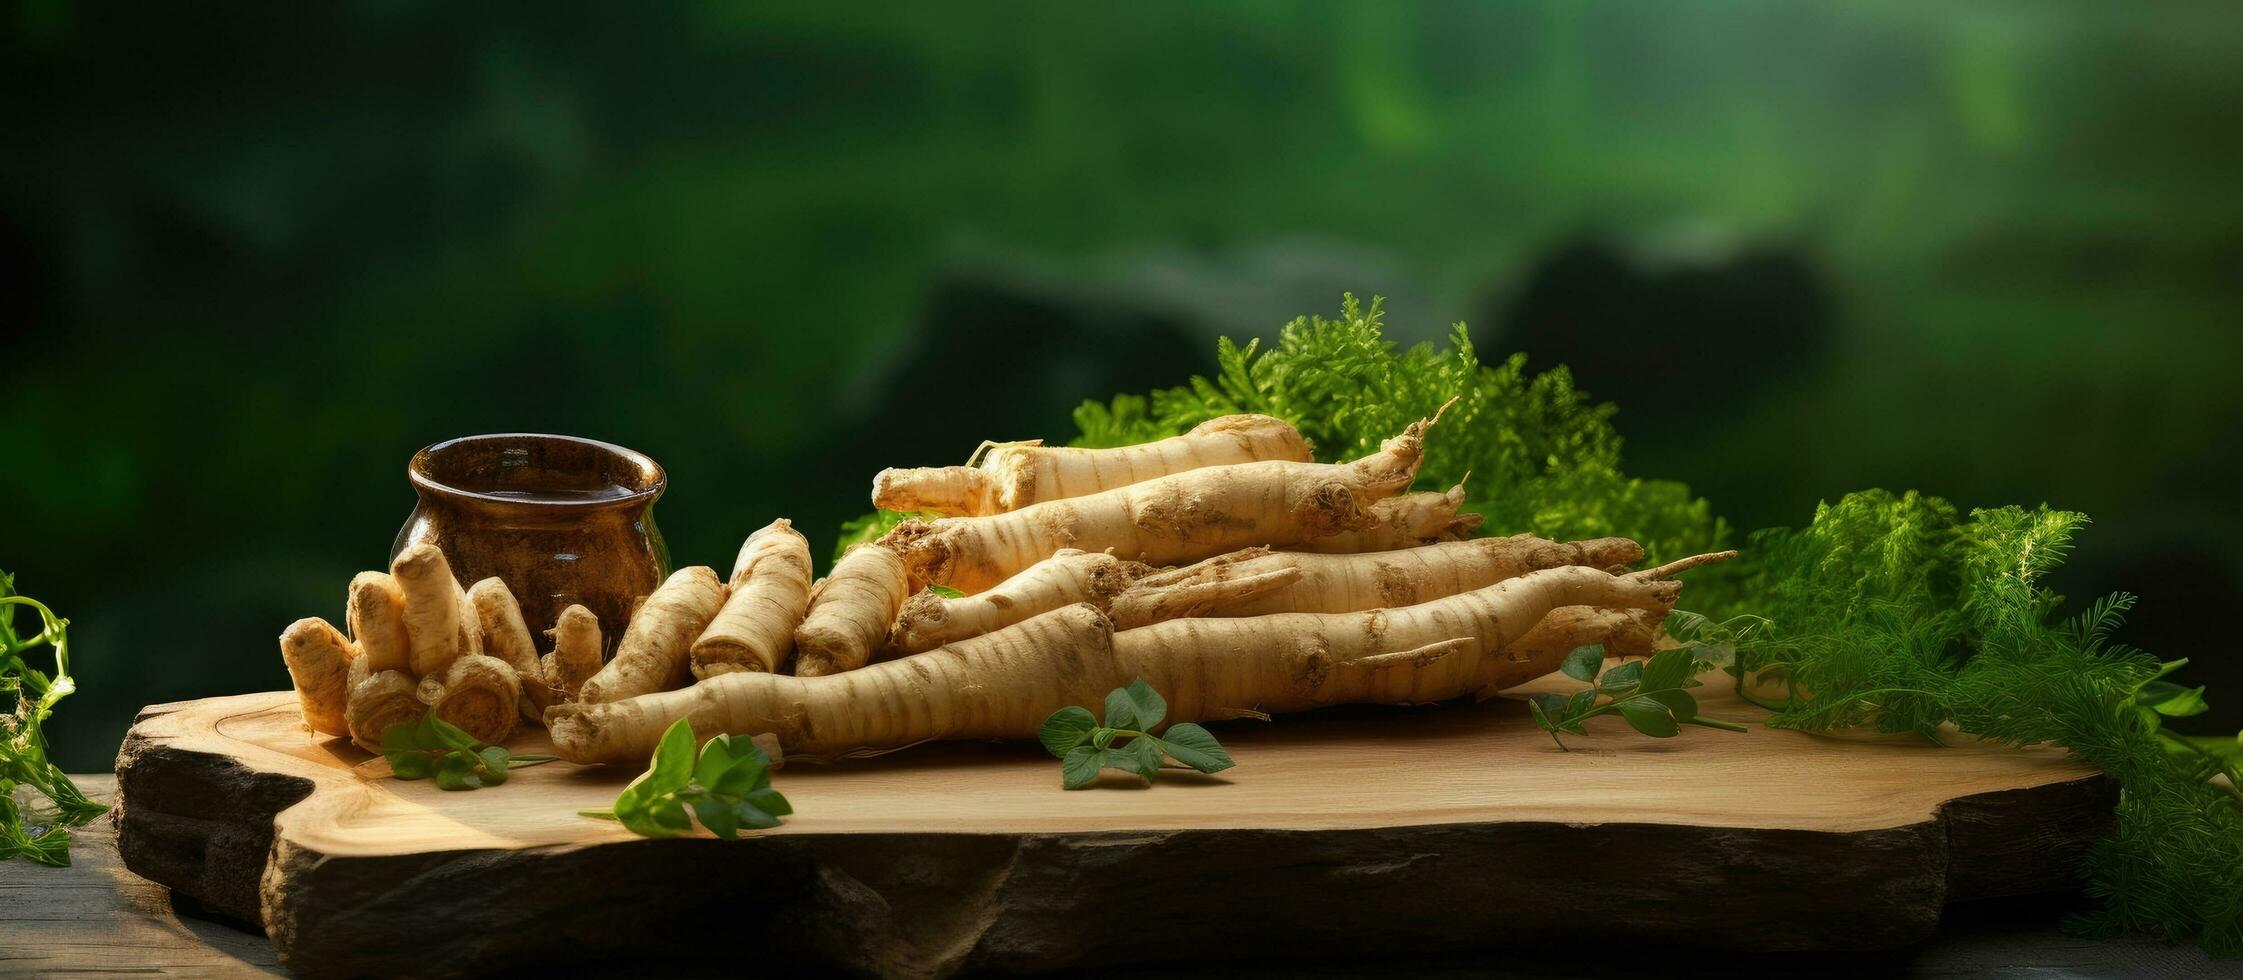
(1004, 684)
(850, 612)
(319, 660)
(1013, 475)
(439, 622)
(929, 620)
(576, 653)
(507, 637)
(1184, 517)
(770, 592)
(655, 651)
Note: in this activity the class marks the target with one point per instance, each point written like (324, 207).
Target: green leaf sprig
(1125, 741)
(29, 695)
(1648, 694)
(727, 788)
(438, 748)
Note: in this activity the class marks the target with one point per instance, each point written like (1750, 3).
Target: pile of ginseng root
(1223, 566)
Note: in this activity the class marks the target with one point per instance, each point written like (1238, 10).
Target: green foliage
(1542, 455)
(435, 747)
(1650, 695)
(727, 788)
(1124, 741)
(41, 833)
(1895, 613)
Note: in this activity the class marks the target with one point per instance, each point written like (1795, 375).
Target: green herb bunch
(727, 788)
(43, 833)
(435, 747)
(1897, 613)
(1650, 695)
(1086, 746)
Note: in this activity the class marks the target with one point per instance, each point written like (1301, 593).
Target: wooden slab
(1355, 831)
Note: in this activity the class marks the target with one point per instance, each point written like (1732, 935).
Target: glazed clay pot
(560, 520)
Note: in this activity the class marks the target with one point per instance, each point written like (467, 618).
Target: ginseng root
(1068, 577)
(1405, 521)
(376, 616)
(380, 700)
(655, 649)
(770, 588)
(438, 620)
(319, 658)
(507, 637)
(1184, 517)
(1258, 582)
(1016, 474)
(480, 694)
(850, 612)
(1003, 684)
(576, 653)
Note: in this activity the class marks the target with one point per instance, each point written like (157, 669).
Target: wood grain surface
(1350, 832)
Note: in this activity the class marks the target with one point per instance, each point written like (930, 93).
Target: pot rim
(653, 479)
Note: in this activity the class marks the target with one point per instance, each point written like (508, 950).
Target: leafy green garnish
(1084, 746)
(438, 748)
(1649, 695)
(42, 833)
(1897, 613)
(727, 788)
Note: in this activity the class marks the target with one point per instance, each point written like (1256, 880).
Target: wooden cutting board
(1350, 832)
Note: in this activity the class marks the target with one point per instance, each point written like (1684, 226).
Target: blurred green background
(252, 256)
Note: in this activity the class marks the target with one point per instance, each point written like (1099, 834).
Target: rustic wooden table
(95, 917)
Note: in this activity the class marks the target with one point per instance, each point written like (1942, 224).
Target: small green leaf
(672, 765)
(716, 759)
(670, 815)
(1584, 662)
(718, 816)
(1678, 703)
(398, 739)
(753, 817)
(1667, 670)
(1541, 717)
(769, 801)
(493, 761)
(1649, 717)
(1065, 729)
(1150, 708)
(1102, 737)
(456, 772)
(1195, 747)
(1141, 756)
(450, 736)
(1120, 712)
(1580, 703)
(946, 592)
(1625, 676)
(1080, 767)
(743, 778)
(412, 765)
(1552, 706)
(2172, 700)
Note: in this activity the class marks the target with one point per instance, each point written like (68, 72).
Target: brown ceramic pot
(560, 520)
